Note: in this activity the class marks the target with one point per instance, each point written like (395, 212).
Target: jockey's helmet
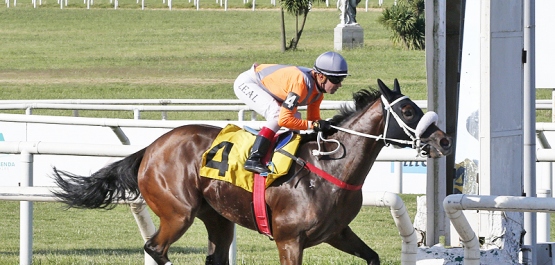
(331, 64)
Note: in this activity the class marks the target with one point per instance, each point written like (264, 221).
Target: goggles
(335, 79)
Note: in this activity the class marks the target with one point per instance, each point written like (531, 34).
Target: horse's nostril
(445, 143)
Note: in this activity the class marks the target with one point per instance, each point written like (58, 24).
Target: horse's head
(406, 125)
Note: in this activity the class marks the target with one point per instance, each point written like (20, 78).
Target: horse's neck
(360, 151)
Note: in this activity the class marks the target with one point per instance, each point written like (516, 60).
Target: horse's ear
(386, 92)
(396, 87)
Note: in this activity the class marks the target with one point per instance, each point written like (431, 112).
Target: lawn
(112, 237)
(75, 53)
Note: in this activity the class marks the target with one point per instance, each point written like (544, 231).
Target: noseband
(414, 134)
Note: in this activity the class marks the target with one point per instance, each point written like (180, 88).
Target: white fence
(151, 105)
(456, 203)
(196, 3)
(172, 105)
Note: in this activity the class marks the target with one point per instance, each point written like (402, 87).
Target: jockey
(275, 91)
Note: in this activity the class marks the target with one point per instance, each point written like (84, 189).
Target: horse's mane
(361, 100)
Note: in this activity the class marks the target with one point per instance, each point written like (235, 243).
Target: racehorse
(305, 209)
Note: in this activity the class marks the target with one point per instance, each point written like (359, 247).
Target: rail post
(142, 217)
(26, 211)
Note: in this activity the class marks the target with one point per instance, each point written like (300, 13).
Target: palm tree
(296, 8)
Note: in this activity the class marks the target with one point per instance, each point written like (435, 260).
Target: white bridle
(414, 134)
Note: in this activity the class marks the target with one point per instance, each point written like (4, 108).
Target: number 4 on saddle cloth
(229, 151)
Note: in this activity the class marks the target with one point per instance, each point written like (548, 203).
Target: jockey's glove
(324, 127)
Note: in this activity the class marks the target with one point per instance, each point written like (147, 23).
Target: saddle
(227, 155)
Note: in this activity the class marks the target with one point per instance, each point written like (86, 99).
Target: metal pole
(544, 227)
(529, 164)
(233, 247)
(121, 135)
(543, 190)
(398, 185)
(142, 217)
(436, 225)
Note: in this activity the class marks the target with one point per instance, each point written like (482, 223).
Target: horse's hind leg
(220, 236)
(170, 231)
(176, 213)
(347, 241)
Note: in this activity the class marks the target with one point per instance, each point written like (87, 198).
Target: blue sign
(411, 167)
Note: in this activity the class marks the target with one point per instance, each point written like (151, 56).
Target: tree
(406, 20)
(296, 8)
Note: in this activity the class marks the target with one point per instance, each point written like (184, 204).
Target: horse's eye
(408, 113)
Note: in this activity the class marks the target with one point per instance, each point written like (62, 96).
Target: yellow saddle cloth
(229, 151)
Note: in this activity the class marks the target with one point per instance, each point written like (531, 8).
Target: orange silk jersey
(280, 80)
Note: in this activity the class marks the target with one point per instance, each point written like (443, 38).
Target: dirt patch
(139, 81)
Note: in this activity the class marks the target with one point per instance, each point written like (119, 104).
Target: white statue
(348, 10)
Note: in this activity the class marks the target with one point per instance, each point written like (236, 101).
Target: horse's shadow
(104, 251)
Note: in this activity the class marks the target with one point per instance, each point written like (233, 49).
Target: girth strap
(260, 209)
(259, 206)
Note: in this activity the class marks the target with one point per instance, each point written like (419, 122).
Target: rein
(426, 120)
(325, 175)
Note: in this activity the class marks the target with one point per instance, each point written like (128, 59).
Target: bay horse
(305, 209)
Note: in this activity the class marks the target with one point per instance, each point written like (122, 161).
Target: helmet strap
(318, 86)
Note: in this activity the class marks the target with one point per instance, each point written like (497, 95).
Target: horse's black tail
(116, 181)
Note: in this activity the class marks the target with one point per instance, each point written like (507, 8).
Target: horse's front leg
(290, 252)
(347, 241)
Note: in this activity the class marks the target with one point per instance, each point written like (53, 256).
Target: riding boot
(258, 151)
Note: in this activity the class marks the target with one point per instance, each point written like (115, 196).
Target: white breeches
(249, 91)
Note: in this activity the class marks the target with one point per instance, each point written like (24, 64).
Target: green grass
(48, 53)
(74, 53)
(112, 237)
(177, 4)
(103, 53)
